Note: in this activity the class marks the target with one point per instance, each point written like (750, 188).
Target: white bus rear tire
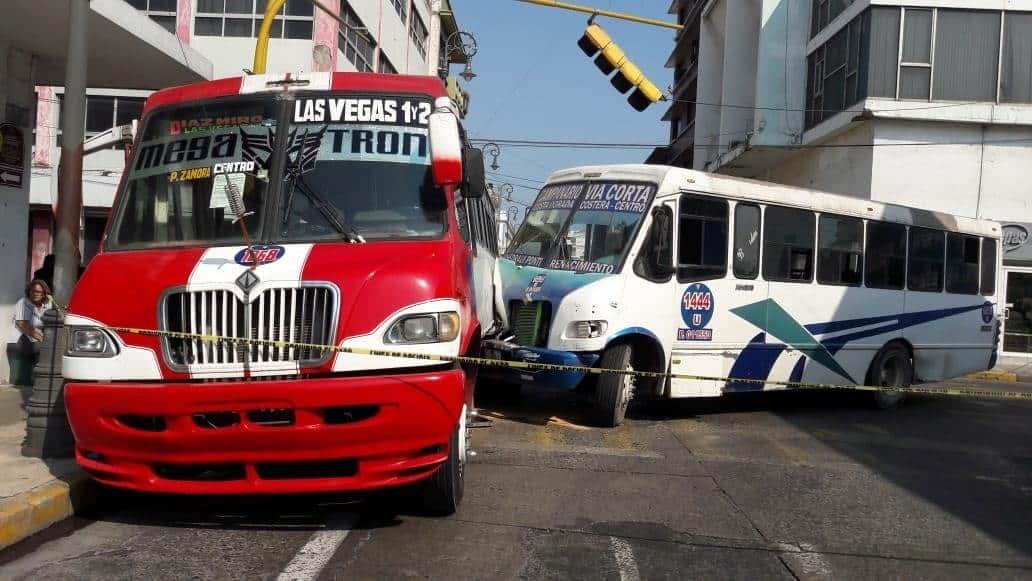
(891, 367)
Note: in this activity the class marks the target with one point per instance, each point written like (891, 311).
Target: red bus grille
(303, 315)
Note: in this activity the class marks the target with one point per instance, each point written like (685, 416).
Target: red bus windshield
(353, 173)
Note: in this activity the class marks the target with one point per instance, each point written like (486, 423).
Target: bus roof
(251, 84)
(674, 180)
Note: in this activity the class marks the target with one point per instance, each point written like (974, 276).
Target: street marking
(806, 557)
(625, 563)
(312, 558)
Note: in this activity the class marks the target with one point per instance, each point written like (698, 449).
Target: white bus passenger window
(839, 250)
(961, 264)
(788, 245)
(702, 246)
(746, 252)
(885, 264)
(925, 260)
(988, 266)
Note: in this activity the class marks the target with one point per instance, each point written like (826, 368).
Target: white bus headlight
(428, 328)
(90, 342)
(586, 329)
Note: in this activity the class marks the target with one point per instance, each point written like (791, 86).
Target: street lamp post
(47, 431)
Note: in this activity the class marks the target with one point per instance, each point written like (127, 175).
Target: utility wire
(533, 143)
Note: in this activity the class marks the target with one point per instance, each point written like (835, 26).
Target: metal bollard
(47, 433)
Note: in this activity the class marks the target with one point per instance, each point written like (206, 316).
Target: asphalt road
(764, 486)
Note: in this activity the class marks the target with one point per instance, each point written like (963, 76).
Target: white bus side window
(988, 266)
(885, 262)
(925, 260)
(702, 238)
(840, 250)
(961, 264)
(788, 238)
(747, 241)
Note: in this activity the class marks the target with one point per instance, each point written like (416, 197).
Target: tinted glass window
(962, 264)
(788, 245)
(988, 266)
(840, 250)
(886, 259)
(747, 241)
(702, 246)
(925, 264)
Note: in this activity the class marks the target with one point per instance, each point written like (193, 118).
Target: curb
(1001, 376)
(25, 514)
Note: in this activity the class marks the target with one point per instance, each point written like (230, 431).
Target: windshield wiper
(329, 211)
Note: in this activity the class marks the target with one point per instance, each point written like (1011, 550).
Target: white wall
(230, 56)
(710, 85)
(16, 88)
(781, 72)
(962, 177)
(837, 169)
(741, 41)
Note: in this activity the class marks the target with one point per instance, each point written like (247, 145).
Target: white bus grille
(302, 315)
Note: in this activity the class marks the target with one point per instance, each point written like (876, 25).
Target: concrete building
(125, 48)
(926, 103)
(401, 36)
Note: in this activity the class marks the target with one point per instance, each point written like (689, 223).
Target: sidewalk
(34, 493)
(1008, 369)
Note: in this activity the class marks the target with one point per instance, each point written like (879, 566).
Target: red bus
(337, 209)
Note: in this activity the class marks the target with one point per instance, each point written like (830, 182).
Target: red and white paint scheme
(350, 184)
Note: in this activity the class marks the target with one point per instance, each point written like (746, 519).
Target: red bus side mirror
(445, 145)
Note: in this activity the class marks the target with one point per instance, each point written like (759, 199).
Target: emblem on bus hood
(259, 254)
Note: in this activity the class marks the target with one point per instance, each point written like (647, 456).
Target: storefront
(1017, 276)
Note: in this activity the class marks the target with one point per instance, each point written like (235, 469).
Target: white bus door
(717, 278)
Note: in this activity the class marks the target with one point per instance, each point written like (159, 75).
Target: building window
(915, 66)
(418, 34)
(104, 112)
(161, 11)
(837, 71)
(702, 239)
(824, 11)
(1016, 85)
(401, 7)
(355, 42)
(967, 55)
(942, 54)
(788, 237)
(385, 66)
(243, 18)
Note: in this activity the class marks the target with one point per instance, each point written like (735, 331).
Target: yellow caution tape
(526, 365)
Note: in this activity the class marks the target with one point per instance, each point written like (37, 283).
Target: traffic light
(609, 57)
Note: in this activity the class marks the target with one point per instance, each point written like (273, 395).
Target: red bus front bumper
(283, 436)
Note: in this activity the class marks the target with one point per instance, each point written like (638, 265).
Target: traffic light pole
(600, 12)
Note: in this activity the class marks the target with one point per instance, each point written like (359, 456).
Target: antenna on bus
(236, 205)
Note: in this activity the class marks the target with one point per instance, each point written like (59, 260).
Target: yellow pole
(607, 13)
(261, 49)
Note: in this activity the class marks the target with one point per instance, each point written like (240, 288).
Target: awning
(126, 48)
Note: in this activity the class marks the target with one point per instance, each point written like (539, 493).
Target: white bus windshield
(581, 226)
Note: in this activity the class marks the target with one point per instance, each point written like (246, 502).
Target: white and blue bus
(665, 269)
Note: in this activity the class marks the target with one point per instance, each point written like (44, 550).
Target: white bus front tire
(613, 392)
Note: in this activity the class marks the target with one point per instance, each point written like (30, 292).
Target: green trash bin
(20, 364)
